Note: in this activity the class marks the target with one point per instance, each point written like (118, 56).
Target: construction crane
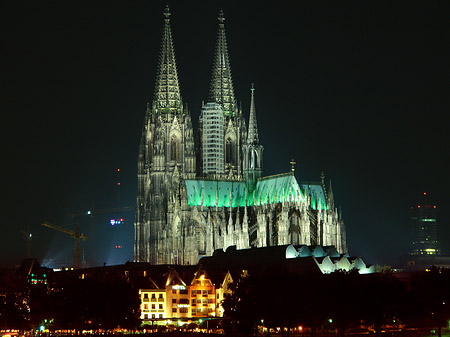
(77, 236)
(92, 213)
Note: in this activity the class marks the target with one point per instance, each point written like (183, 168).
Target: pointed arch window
(200, 238)
(250, 159)
(173, 148)
(257, 160)
(228, 151)
(294, 230)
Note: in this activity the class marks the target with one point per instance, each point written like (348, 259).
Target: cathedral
(196, 195)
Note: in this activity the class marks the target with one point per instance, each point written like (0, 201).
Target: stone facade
(184, 213)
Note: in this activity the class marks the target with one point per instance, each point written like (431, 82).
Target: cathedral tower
(166, 153)
(185, 212)
(222, 92)
(252, 150)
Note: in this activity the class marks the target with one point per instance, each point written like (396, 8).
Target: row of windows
(204, 301)
(182, 310)
(153, 316)
(181, 300)
(199, 310)
(153, 306)
(196, 292)
(153, 295)
(181, 291)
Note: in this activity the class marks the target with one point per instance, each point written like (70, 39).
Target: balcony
(160, 299)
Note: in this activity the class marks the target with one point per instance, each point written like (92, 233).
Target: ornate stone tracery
(183, 213)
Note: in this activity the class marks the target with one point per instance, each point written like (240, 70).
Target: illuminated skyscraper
(424, 222)
(190, 204)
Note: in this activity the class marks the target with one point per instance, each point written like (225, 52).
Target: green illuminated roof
(316, 195)
(209, 190)
(283, 187)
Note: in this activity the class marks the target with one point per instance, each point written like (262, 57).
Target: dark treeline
(340, 301)
(101, 302)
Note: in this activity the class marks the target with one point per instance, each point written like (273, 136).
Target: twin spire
(221, 90)
(167, 91)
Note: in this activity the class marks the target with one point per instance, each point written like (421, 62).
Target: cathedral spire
(221, 90)
(252, 137)
(167, 92)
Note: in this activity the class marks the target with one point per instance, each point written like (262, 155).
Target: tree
(94, 303)
(385, 301)
(431, 292)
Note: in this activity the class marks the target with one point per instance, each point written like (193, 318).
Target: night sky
(358, 91)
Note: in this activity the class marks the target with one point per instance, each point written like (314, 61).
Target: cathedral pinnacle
(167, 13)
(221, 17)
(292, 165)
(221, 90)
(252, 137)
(167, 92)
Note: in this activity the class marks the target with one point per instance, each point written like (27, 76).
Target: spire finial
(167, 12)
(252, 89)
(293, 165)
(221, 17)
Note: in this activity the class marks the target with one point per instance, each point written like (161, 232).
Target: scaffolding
(213, 139)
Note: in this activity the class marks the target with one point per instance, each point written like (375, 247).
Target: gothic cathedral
(192, 200)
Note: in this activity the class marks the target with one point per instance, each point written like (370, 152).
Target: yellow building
(203, 296)
(177, 299)
(153, 303)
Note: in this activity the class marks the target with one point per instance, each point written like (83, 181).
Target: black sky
(359, 91)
